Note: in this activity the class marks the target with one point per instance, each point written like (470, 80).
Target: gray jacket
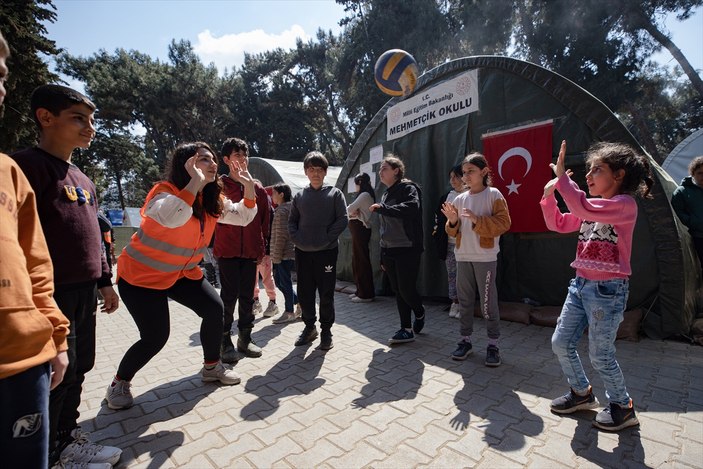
(317, 218)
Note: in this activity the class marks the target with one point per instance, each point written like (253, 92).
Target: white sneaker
(271, 310)
(83, 451)
(256, 308)
(454, 311)
(221, 373)
(119, 396)
(286, 316)
(352, 296)
(65, 463)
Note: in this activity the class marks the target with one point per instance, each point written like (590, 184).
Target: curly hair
(638, 177)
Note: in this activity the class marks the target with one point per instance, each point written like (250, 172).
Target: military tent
(676, 164)
(461, 105)
(271, 172)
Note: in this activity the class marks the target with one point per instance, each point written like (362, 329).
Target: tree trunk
(646, 24)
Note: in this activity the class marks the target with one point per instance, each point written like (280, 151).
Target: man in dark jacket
(238, 249)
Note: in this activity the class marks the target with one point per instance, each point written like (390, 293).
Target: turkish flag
(519, 159)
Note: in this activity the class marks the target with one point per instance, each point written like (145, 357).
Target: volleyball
(396, 73)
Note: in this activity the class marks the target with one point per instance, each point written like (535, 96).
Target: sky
(222, 30)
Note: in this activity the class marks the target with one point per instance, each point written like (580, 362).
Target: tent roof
(271, 172)
(676, 164)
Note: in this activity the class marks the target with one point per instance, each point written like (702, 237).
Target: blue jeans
(24, 418)
(598, 305)
(282, 278)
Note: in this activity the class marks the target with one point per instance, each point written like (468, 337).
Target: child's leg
(79, 307)
(284, 282)
(604, 302)
(450, 262)
(570, 326)
(266, 271)
(485, 273)
(305, 266)
(24, 418)
(326, 273)
(466, 292)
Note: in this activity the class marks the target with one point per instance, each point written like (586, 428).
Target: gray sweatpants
(469, 277)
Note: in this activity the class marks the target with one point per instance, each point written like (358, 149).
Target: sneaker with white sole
(66, 463)
(572, 402)
(221, 373)
(616, 417)
(402, 337)
(286, 316)
(256, 308)
(358, 299)
(271, 310)
(82, 451)
(119, 396)
(454, 310)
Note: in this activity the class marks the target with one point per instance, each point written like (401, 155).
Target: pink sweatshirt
(606, 227)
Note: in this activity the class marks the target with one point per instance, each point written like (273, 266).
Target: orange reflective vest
(156, 256)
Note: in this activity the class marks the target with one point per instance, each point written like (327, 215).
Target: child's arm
(410, 207)
(497, 223)
(294, 220)
(278, 231)
(555, 220)
(341, 218)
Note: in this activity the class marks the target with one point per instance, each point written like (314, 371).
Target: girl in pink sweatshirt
(597, 296)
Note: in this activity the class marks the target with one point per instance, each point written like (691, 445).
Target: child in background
(687, 201)
(597, 296)
(264, 269)
(318, 216)
(444, 243)
(360, 229)
(283, 254)
(476, 219)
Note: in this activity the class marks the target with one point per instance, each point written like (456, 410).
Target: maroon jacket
(245, 242)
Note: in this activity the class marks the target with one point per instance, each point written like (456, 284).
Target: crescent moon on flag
(515, 151)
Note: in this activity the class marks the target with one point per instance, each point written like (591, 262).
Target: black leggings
(149, 309)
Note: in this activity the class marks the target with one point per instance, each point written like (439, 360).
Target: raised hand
(450, 212)
(239, 171)
(559, 168)
(195, 173)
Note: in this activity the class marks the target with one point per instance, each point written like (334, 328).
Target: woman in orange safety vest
(161, 262)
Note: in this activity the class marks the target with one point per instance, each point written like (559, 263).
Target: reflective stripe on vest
(161, 266)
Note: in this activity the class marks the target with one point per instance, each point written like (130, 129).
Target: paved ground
(365, 404)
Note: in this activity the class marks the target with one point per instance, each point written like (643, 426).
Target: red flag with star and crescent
(519, 160)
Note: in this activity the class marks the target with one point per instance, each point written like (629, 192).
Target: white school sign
(452, 98)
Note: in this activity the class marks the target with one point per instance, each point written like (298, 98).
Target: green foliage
(321, 94)
(21, 23)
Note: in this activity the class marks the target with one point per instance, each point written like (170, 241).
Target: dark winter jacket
(687, 202)
(401, 216)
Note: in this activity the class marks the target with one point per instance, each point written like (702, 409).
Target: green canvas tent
(533, 266)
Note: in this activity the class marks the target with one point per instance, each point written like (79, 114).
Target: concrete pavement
(366, 404)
